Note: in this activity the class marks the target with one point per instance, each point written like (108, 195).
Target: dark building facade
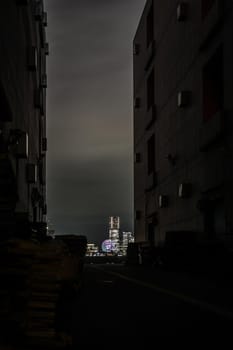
(183, 120)
(23, 141)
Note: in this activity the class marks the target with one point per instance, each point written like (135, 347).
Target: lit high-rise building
(114, 232)
(92, 249)
(127, 237)
(114, 223)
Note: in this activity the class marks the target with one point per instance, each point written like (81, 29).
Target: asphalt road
(117, 305)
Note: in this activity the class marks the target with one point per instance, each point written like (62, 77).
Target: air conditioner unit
(136, 49)
(31, 172)
(137, 157)
(163, 201)
(32, 58)
(181, 12)
(137, 102)
(183, 98)
(185, 190)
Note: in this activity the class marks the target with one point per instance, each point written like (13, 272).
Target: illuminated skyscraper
(114, 230)
(127, 237)
(92, 249)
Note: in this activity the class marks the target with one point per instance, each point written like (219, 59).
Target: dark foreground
(119, 305)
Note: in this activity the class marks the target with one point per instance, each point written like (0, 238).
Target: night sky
(90, 115)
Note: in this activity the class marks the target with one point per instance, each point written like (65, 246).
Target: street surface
(120, 305)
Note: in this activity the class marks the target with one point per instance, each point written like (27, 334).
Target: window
(138, 214)
(206, 6)
(137, 102)
(151, 232)
(136, 49)
(151, 155)
(137, 157)
(213, 86)
(150, 90)
(5, 114)
(34, 214)
(150, 26)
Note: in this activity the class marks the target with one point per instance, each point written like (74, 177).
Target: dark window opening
(206, 6)
(137, 157)
(214, 219)
(150, 26)
(151, 155)
(150, 90)
(151, 232)
(136, 49)
(5, 113)
(137, 215)
(34, 214)
(213, 86)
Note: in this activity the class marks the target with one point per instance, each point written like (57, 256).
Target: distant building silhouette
(183, 111)
(23, 141)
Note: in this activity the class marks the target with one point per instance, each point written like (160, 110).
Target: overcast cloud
(89, 114)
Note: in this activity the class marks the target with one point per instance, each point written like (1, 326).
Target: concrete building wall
(189, 150)
(23, 83)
